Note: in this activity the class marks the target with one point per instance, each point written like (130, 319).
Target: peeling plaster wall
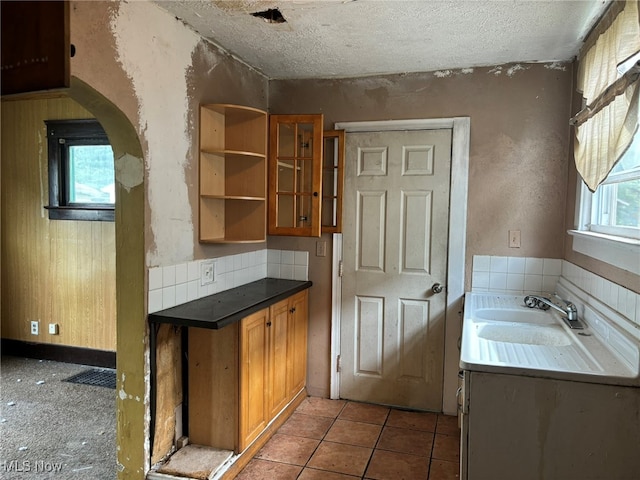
(155, 50)
(517, 168)
(156, 72)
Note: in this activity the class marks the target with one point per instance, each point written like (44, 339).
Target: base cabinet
(531, 428)
(242, 376)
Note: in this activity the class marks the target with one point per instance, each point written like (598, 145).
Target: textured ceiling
(349, 38)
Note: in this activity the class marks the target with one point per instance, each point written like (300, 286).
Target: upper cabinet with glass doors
(295, 174)
(332, 181)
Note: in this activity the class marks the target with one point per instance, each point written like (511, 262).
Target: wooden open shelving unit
(233, 174)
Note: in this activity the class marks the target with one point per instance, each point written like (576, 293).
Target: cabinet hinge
(338, 364)
(340, 268)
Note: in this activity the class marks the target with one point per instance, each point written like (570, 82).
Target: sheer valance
(608, 77)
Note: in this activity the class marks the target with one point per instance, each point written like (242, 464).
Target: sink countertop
(538, 343)
(224, 308)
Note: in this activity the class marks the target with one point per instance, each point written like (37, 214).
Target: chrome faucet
(568, 309)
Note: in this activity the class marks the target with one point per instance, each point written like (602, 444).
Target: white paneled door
(395, 231)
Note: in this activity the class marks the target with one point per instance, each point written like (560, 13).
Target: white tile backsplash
(514, 274)
(616, 297)
(524, 275)
(515, 264)
(499, 264)
(481, 263)
(155, 278)
(168, 276)
(181, 274)
(533, 266)
(176, 284)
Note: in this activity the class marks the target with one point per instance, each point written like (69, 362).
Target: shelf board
(236, 153)
(234, 197)
(232, 240)
(227, 108)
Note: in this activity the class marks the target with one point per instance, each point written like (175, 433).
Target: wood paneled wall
(54, 271)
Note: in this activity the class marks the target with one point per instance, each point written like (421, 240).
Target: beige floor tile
(415, 420)
(404, 440)
(443, 470)
(312, 474)
(340, 458)
(322, 407)
(310, 426)
(364, 412)
(446, 447)
(397, 466)
(258, 469)
(288, 449)
(448, 425)
(354, 433)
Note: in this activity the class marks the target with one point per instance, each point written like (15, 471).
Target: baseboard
(58, 353)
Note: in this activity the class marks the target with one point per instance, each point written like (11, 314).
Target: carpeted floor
(50, 428)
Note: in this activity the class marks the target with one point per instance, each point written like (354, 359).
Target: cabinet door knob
(315, 194)
(292, 310)
(268, 324)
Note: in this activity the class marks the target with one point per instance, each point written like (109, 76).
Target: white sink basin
(501, 335)
(521, 315)
(549, 335)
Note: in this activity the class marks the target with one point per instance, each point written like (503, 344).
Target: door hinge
(340, 268)
(338, 363)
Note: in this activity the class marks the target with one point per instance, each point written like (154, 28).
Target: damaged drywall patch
(513, 69)
(509, 70)
(155, 51)
(129, 171)
(450, 73)
(555, 66)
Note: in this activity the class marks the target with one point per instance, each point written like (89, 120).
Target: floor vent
(96, 377)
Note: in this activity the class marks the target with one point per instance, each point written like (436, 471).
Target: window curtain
(606, 126)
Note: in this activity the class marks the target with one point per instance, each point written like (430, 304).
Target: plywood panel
(53, 271)
(213, 386)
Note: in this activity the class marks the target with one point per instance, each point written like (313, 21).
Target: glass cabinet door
(332, 180)
(295, 174)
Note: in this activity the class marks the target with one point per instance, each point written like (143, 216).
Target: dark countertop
(221, 309)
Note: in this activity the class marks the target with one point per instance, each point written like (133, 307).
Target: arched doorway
(131, 325)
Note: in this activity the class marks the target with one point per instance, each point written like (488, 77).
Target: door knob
(437, 288)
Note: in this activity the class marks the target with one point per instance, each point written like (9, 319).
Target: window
(81, 171)
(609, 219)
(615, 205)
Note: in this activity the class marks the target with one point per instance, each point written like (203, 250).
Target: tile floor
(341, 440)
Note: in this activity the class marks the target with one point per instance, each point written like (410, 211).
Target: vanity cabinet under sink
(527, 428)
(541, 400)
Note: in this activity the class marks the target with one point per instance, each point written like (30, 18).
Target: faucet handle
(568, 303)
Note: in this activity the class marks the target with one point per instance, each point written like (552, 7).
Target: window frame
(611, 244)
(72, 132)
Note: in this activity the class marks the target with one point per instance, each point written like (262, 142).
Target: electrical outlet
(207, 272)
(35, 327)
(53, 329)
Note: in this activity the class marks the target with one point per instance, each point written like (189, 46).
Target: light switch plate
(514, 238)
